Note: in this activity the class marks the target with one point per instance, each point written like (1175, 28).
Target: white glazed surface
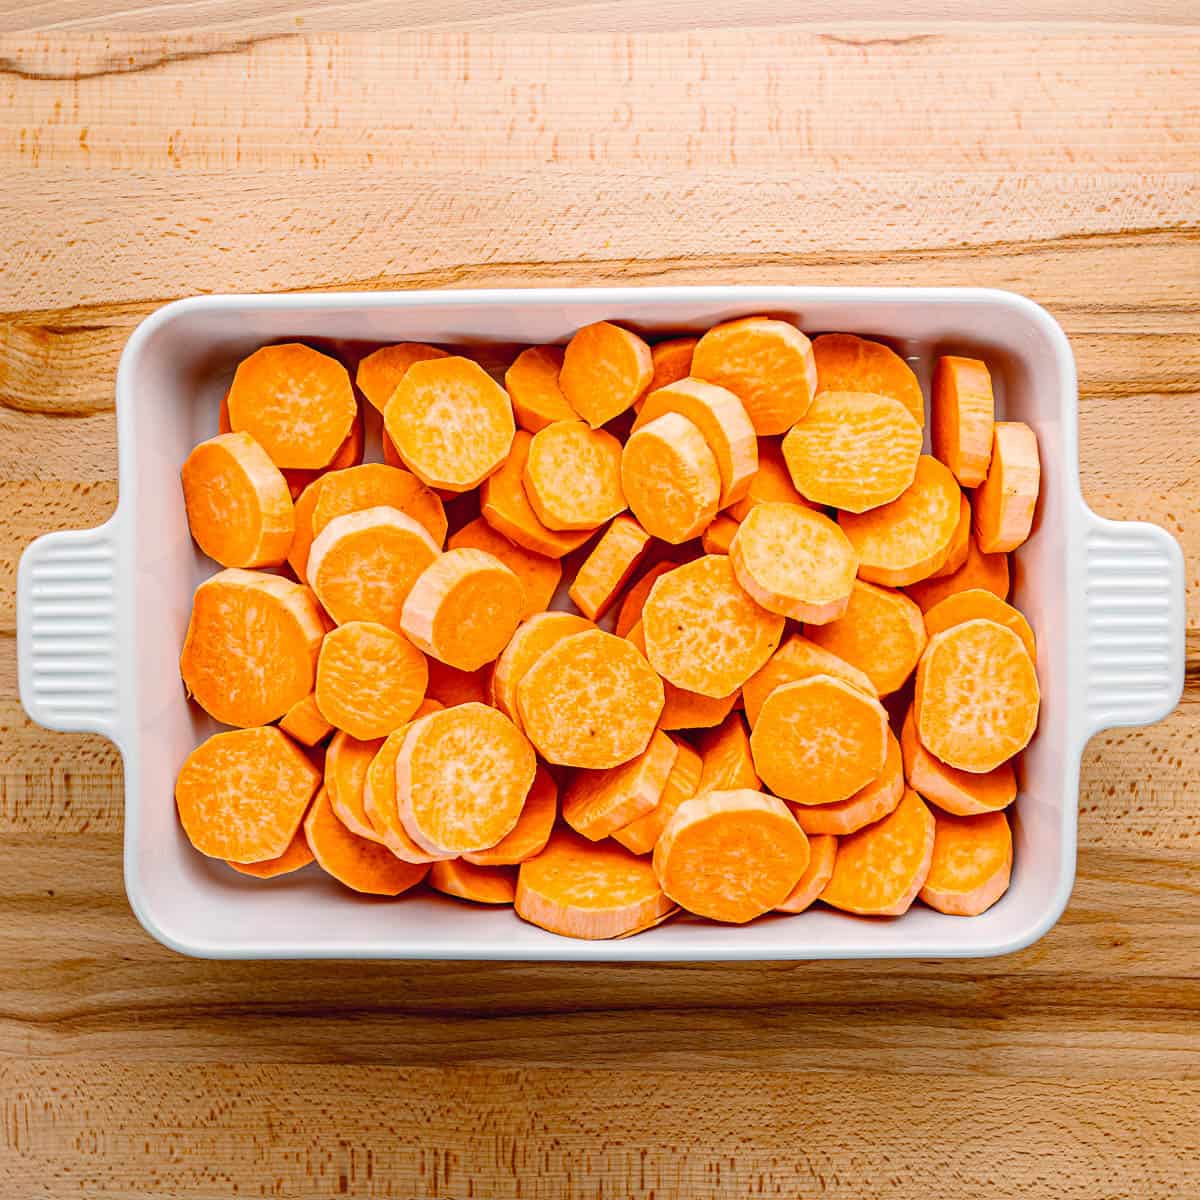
(101, 617)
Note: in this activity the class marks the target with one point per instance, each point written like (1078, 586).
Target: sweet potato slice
(794, 562)
(670, 479)
(641, 834)
(846, 363)
(907, 540)
(718, 537)
(964, 413)
(819, 740)
(672, 361)
(979, 602)
(462, 776)
(304, 722)
(451, 423)
(242, 794)
(238, 505)
(450, 686)
(822, 852)
(464, 608)
(349, 454)
(347, 762)
(630, 612)
(539, 575)
(725, 759)
(573, 476)
(296, 855)
(532, 383)
(590, 700)
(882, 633)
(853, 450)
(971, 866)
(987, 571)
(767, 364)
(703, 631)
(1006, 499)
(375, 484)
(771, 483)
(880, 869)
(532, 830)
(606, 369)
(533, 637)
(976, 700)
(465, 881)
(960, 543)
(607, 569)
(798, 658)
(297, 403)
(251, 647)
(730, 856)
(683, 709)
(597, 803)
(868, 804)
(722, 421)
(380, 373)
(370, 679)
(588, 889)
(302, 537)
(359, 864)
(963, 793)
(506, 508)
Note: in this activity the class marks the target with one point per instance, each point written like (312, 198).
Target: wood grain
(213, 146)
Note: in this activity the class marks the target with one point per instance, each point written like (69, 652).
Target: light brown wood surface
(209, 146)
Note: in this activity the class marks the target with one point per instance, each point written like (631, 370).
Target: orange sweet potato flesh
(573, 476)
(359, 864)
(607, 569)
(451, 423)
(380, 373)
(597, 803)
(979, 602)
(239, 508)
(370, 680)
(819, 740)
(242, 794)
(683, 709)
(703, 632)
(606, 369)
(964, 413)
(450, 686)
(539, 575)
(588, 889)
(960, 543)
(296, 855)
(466, 881)
(462, 776)
(506, 508)
(907, 540)
(375, 484)
(798, 658)
(533, 637)
(971, 866)
(988, 571)
(822, 853)
(532, 383)
(590, 700)
(532, 830)
(976, 700)
(363, 565)
(767, 364)
(1005, 501)
(853, 451)
(641, 834)
(302, 537)
(771, 482)
(297, 403)
(725, 758)
(730, 855)
(304, 722)
(794, 562)
(672, 361)
(880, 869)
(251, 647)
(882, 633)
(963, 793)
(868, 804)
(630, 612)
(349, 454)
(347, 764)
(670, 478)
(846, 363)
(463, 608)
(718, 537)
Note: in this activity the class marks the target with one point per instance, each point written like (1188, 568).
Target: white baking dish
(101, 615)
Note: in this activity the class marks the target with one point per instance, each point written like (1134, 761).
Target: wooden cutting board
(218, 146)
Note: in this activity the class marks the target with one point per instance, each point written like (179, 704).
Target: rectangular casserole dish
(101, 615)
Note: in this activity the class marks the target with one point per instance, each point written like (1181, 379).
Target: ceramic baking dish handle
(1136, 620)
(68, 605)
